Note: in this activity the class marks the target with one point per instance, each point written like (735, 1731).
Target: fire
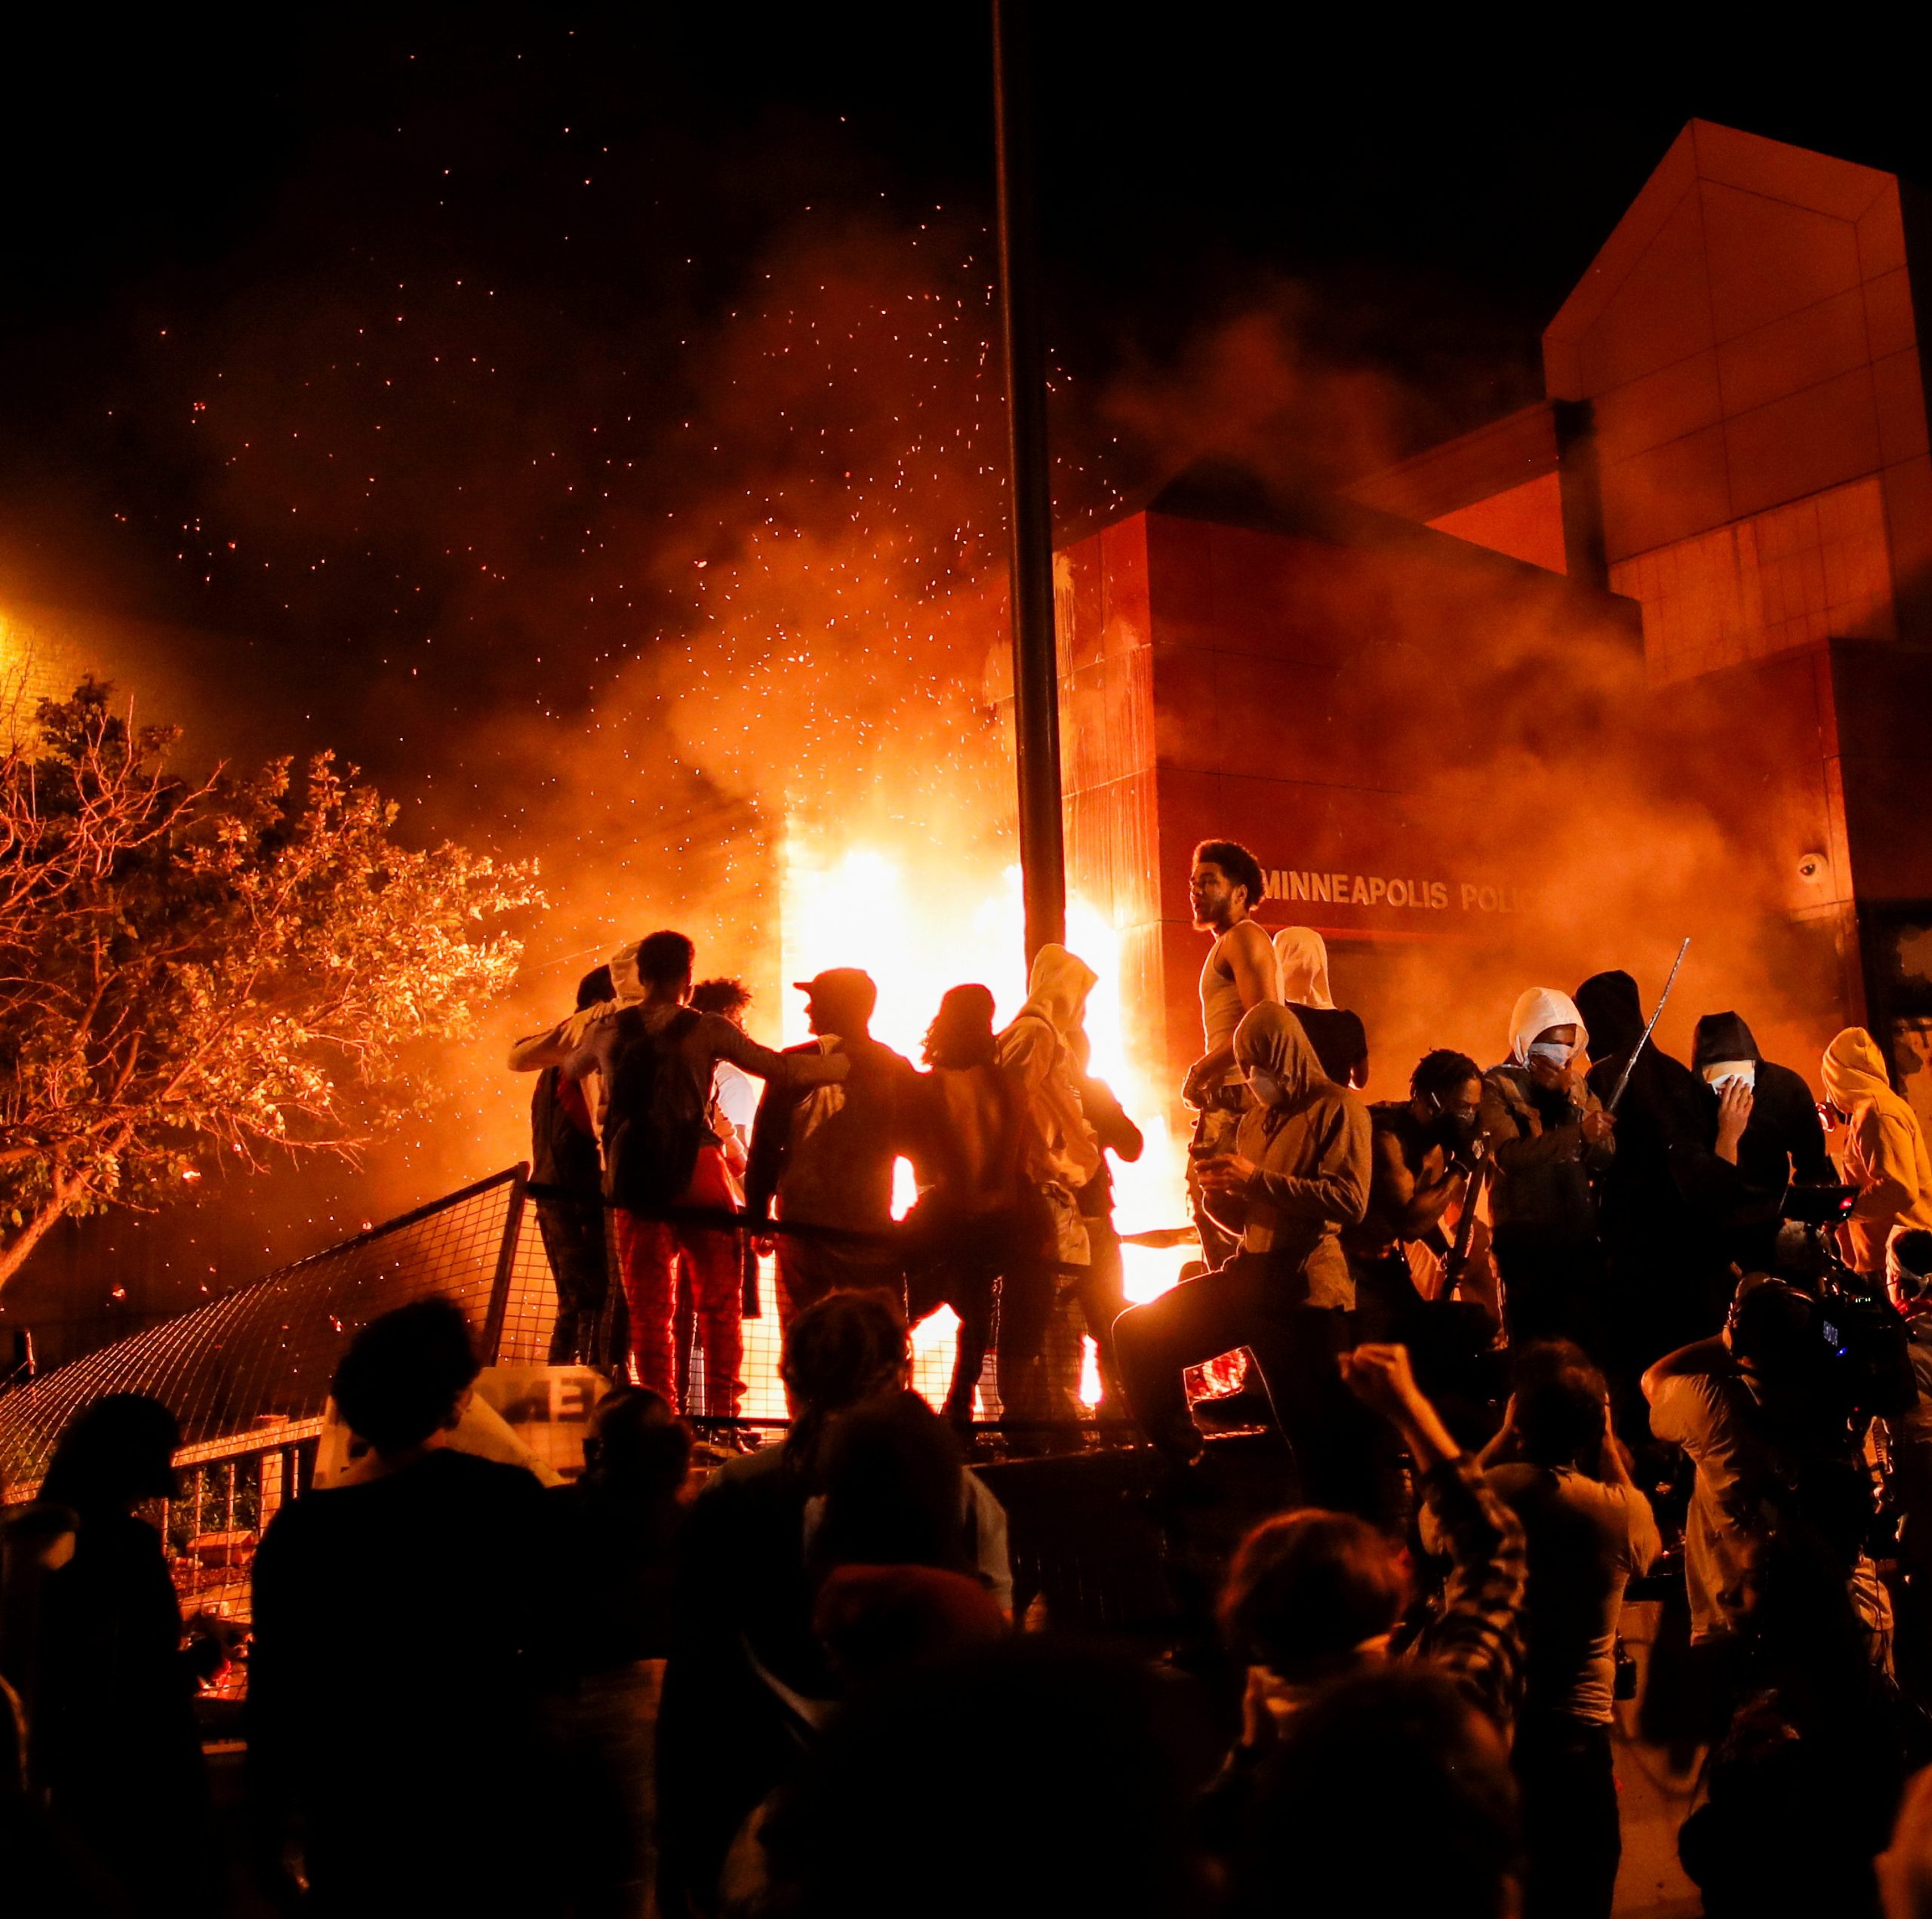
(918, 924)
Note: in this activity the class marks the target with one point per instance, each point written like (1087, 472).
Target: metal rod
(1030, 488)
(1630, 1064)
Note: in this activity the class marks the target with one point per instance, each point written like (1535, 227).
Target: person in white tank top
(1240, 972)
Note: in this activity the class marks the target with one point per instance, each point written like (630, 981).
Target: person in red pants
(652, 1059)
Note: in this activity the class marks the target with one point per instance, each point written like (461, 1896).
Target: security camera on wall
(1812, 866)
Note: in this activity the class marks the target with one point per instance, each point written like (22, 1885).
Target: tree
(233, 967)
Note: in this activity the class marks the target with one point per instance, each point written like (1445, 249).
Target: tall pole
(1029, 491)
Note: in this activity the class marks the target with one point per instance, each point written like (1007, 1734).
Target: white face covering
(1266, 1087)
(1744, 1071)
(1551, 1052)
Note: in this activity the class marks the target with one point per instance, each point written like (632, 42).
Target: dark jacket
(1542, 1193)
(838, 1172)
(563, 1145)
(1784, 1139)
(1644, 1215)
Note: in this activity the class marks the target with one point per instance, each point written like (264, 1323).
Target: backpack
(654, 1115)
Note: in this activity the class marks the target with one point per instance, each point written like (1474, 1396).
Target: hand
(1195, 1089)
(1508, 1441)
(1735, 1100)
(1226, 1173)
(1597, 1126)
(1379, 1376)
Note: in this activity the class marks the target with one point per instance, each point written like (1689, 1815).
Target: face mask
(1266, 1087)
(1456, 1127)
(1744, 1071)
(1552, 1052)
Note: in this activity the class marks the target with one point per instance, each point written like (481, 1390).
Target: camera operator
(1768, 1424)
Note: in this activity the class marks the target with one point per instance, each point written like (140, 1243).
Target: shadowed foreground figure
(391, 1732)
(1391, 1794)
(993, 1732)
(115, 1744)
(614, 1558)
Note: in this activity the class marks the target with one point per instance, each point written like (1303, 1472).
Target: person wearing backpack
(654, 1059)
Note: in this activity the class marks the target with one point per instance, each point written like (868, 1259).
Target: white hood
(1538, 1010)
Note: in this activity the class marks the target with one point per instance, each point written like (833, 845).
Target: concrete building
(1726, 499)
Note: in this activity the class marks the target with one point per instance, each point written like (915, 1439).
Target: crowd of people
(1525, 1335)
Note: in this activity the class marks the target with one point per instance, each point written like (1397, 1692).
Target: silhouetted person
(976, 1219)
(391, 1685)
(746, 1659)
(1341, 1042)
(654, 1062)
(43, 1873)
(564, 1153)
(892, 1545)
(1297, 1174)
(1589, 1530)
(826, 1154)
(616, 1530)
(1803, 1785)
(1668, 1273)
(1064, 1765)
(1549, 1138)
(114, 1742)
(1390, 1794)
(1314, 1594)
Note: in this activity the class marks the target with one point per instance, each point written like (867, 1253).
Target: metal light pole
(1035, 670)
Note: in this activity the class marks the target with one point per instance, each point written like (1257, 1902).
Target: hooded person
(1669, 1271)
(1761, 1132)
(1783, 1138)
(1337, 1035)
(1548, 1134)
(1884, 1153)
(1299, 1173)
(1039, 1051)
(826, 1154)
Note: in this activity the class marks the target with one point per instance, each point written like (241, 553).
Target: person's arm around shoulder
(554, 1044)
(807, 1067)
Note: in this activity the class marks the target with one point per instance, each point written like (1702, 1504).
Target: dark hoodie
(1785, 1140)
(1645, 1221)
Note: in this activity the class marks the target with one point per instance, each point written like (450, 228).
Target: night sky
(424, 378)
(364, 351)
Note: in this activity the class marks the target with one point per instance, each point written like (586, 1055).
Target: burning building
(1651, 657)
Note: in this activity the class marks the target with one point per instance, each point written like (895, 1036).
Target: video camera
(1863, 1342)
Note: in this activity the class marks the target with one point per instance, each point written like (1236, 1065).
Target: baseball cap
(841, 986)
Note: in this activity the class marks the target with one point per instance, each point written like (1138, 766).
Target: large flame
(918, 924)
